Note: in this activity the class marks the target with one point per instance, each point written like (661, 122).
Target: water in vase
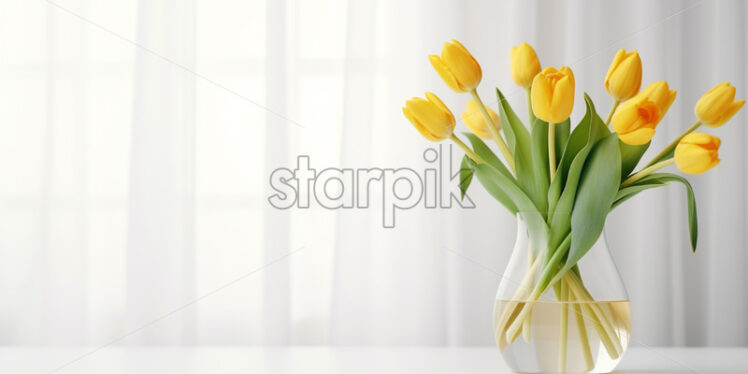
(563, 337)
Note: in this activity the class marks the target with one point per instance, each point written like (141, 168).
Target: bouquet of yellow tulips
(563, 179)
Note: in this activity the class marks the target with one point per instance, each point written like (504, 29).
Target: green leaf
(666, 156)
(503, 188)
(597, 190)
(577, 140)
(497, 184)
(517, 136)
(482, 150)
(598, 128)
(632, 190)
(466, 175)
(587, 132)
(536, 183)
(563, 130)
(522, 146)
(693, 224)
(561, 219)
(494, 181)
(630, 156)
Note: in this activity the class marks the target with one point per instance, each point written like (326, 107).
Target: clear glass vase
(580, 323)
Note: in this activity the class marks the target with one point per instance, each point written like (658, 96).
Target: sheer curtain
(138, 138)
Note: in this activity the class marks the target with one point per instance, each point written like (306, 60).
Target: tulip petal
(623, 79)
(524, 64)
(476, 125)
(445, 73)
(731, 110)
(637, 137)
(459, 45)
(421, 129)
(702, 140)
(711, 107)
(448, 116)
(627, 115)
(668, 103)
(697, 152)
(430, 117)
(717, 87)
(563, 99)
(692, 159)
(614, 65)
(624, 76)
(463, 66)
(541, 96)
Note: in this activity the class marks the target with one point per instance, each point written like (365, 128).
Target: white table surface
(336, 360)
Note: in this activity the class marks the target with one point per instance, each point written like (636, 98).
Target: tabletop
(432, 360)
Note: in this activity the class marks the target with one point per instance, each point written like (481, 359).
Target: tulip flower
(457, 67)
(462, 73)
(697, 152)
(552, 99)
(636, 119)
(718, 105)
(476, 122)
(624, 75)
(524, 64)
(553, 94)
(430, 117)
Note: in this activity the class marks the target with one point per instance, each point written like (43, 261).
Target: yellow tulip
(474, 120)
(717, 106)
(430, 117)
(624, 76)
(697, 152)
(457, 67)
(553, 94)
(636, 119)
(524, 64)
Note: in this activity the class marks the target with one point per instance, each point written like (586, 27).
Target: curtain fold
(161, 215)
(276, 298)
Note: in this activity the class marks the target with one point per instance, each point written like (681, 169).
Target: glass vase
(579, 323)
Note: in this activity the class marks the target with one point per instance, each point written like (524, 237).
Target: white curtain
(137, 141)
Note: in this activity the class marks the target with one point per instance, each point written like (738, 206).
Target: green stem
(552, 149)
(646, 171)
(665, 152)
(530, 266)
(599, 328)
(616, 103)
(583, 339)
(530, 113)
(525, 287)
(495, 132)
(563, 328)
(540, 287)
(467, 149)
(600, 321)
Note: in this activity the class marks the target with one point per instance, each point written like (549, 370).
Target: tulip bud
(553, 94)
(475, 120)
(717, 106)
(636, 119)
(624, 75)
(524, 64)
(697, 152)
(457, 67)
(430, 117)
